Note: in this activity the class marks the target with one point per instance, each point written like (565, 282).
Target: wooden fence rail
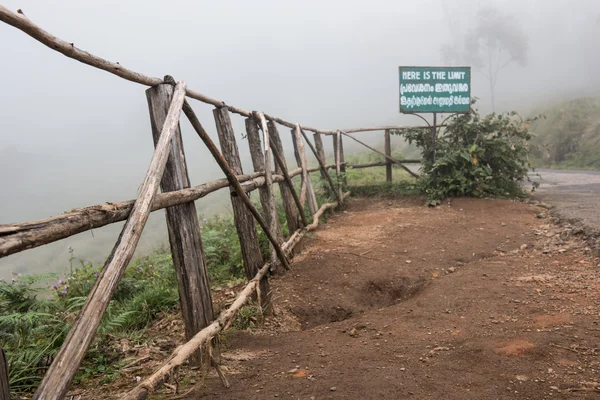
(166, 101)
(21, 22)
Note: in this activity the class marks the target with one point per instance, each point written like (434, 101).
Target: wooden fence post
(244, 221)
(343, 163)
(306, 192)
(321, 156)
(183, 225)
(56, 382)
(292, 215)
(267, 199)
(388, 152)
(4, 387)
(338, 169)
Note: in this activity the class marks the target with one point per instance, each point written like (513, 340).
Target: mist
(73, 136)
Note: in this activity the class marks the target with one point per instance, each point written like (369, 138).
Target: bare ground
(477, 299)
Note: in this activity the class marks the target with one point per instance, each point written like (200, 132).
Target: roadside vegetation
(569, 135)
(478, 156)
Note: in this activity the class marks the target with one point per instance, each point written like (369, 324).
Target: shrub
(475, 156)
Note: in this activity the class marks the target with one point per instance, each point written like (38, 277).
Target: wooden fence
(168, 169)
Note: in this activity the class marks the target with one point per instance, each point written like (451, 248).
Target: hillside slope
(569, 136)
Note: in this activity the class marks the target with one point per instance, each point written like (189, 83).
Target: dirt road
(575, 194)
(478, 299)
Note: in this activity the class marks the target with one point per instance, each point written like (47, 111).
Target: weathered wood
(183, 352)
(383, 154)
(231, 177)
(244, 223)
(338, 167)
(306, 191)
(27, 235)
(21, 22)
(183, 225)
(388, 152)
(4, 380)
(267, 199)
(277, 148)
(342, 162)
(379, 164)
(62, 370)
(320, 156)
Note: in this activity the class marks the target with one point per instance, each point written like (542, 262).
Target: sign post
(435, 90)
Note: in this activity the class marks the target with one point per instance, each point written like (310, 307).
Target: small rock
(293, 371)
(402, 369)
(554, 387)
(333, 389)
(451, 269)
(522, 378)
(503, 224)
(523, 247)
(408, 261)
(541, 215)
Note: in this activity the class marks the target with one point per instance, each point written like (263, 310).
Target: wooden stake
(338, 168)
(306, 191)
(244, 223)
(56, 382)
(320, 155)
(280, 159)
(183, 225)
(342, 162)
(267, 199)
(388, 152)
(387, 157)
(4, 377)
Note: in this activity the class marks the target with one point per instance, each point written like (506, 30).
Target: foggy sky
(72, 136)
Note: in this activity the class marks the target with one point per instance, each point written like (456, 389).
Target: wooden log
(183, 352)
(383, 154)
(244, 223)
(183, 225)
(388, 152)
(379, 164)
(4, 377)
(277, 148)
(22, 236)
(21, 22)
(267, 199)
(320, 156)
(55, 383)
(306, 191)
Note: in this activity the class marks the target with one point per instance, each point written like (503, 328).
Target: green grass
(371, 182)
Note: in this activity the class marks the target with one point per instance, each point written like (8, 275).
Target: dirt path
(389, 300)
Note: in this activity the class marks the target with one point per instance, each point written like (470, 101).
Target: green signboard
(435, 89)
